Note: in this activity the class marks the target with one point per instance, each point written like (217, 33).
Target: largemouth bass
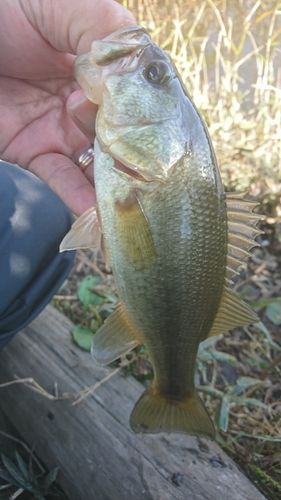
(172, 236)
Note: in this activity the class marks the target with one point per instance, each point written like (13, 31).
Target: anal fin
(232, 312)
(115, 338)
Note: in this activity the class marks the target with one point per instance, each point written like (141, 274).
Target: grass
(21, 474)
(229, 58)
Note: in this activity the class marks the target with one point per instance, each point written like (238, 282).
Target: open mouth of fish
(128, 171)
(134, 174)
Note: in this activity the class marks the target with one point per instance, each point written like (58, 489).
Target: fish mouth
(129, 171)
(125, 167)
(134, 174)
(120, 44)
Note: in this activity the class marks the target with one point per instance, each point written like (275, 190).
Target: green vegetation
(21, 474)
(97, 305)
(18, 475)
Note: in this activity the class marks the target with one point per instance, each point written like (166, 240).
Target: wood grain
(100, 458)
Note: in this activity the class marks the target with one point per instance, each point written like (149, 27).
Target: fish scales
(163, 214)
(169, 310)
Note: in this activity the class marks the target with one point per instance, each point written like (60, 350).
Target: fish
(171, 234)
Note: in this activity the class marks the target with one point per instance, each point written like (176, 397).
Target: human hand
(39, 40)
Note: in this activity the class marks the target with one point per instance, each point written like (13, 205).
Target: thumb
(71, 25)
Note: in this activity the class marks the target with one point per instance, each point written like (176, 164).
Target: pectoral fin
(232, 312)
(132, 225)
(84, 233)
(115, 338)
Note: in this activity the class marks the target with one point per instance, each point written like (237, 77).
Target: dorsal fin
(242, 231)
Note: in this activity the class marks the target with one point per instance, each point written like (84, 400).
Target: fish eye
(157, 72)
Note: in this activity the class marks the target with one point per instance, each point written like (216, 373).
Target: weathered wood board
(100, 458)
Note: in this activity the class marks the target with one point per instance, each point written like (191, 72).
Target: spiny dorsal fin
(84, 233)
(115, 338)
(232, 312)
(242, 231)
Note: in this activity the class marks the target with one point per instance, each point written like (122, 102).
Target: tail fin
(155, 413)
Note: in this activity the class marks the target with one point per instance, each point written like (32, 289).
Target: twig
(34, 386)
(16, 494)
(65, 297)
(270, 367)
(18, 381)
(5, 486)
(89, 263)
(90, 390)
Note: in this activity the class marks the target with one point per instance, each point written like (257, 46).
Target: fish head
(141, 102)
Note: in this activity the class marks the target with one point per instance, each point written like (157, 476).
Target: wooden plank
(100, 458)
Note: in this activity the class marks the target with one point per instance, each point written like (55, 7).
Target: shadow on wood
(100, 458)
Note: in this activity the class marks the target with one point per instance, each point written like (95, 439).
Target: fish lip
(132, 31)
(103, 53)
(121, 44)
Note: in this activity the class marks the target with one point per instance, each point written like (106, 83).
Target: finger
(73, 24)
(83, 113)
(25, 53)
(66, 180)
